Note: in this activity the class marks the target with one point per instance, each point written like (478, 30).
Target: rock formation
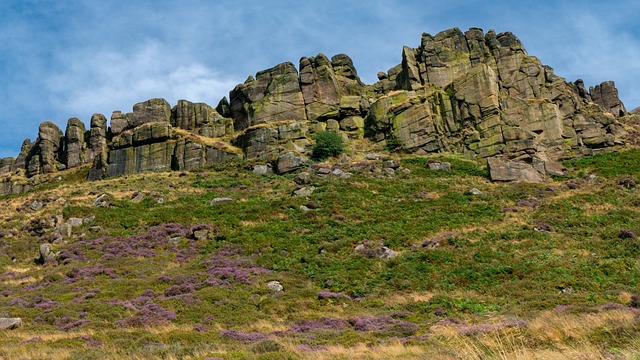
(475, 93)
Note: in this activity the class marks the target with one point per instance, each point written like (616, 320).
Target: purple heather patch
(200, 329)
(225, 267)
(67, 323)
(242, 336)
(149, 314)
(302, 326)
(90, 341)
(88, 272)
(384, 324)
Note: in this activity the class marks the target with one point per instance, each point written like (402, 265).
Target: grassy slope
(471, 279)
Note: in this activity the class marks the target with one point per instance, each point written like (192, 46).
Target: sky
(62, 58)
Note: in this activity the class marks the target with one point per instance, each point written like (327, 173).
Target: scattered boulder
(304, 208)
(101, 201)
(46, 254)
(508, 170)
(36, 205)
(221, 200)
(10, 323)
(265, 169)
(303, 178)
(439, 165)
(474, 191)
(137, 197)
(75, 222)
(275, 286)
(304, 191)
(289, 162)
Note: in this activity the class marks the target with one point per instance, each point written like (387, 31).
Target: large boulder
(10, 323)
(319, 87)
(507, 170)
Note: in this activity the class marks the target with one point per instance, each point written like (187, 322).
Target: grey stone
(138, 197)
(304, 208)
(101, 201)
(507, 170)
(474, 191)
(89, 220)
(304, 191)
(289, 162)
(388, 253)
(275, 286)
(263, 169)
(36, 205)
(303, 178)
(10, 323)
(221, 200)
(75, 222)
(46, 254)
(439, 165)
(201, 235)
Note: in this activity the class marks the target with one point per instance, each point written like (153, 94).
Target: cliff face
(473, 93)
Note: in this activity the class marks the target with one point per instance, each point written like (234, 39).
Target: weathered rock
(10, 323)
(303, 178)
(474, 191)
(274, 95)
(319, 87)
(97, 136)
(75, 222)
(439, 165)
(36, 205)
(101, 201)
(75, 145)
(46, 254)
(606, 95)
(45, 155)
(150, 111)
(289, 162)
(506, 170)
(275, 286)
(263, 169)
(221, 200)
(304, 191)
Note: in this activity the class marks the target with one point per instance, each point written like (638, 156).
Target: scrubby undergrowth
(518, 271)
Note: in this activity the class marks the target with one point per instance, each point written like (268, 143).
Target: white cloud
(106, 81)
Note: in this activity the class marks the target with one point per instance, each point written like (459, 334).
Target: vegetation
(519, 271)
(328, 144)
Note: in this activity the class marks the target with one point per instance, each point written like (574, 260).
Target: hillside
(480, 207)
(409, 266)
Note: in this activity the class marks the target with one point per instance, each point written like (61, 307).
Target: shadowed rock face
(475, 93)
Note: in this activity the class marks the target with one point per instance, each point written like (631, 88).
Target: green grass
(492, 263)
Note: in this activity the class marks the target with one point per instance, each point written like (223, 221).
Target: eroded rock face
(606, 95)
(274, 95)
(75, 144)
(483, 95)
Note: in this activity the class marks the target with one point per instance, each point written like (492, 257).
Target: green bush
(327, 144)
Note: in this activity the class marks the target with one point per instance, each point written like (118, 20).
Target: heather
(518, 269)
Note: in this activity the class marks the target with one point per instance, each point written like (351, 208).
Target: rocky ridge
(475, 93)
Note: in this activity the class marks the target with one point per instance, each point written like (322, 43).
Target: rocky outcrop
(606, 95)
(483, 95)
(475, 93)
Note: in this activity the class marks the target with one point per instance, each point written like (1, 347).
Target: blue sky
(62, 59)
